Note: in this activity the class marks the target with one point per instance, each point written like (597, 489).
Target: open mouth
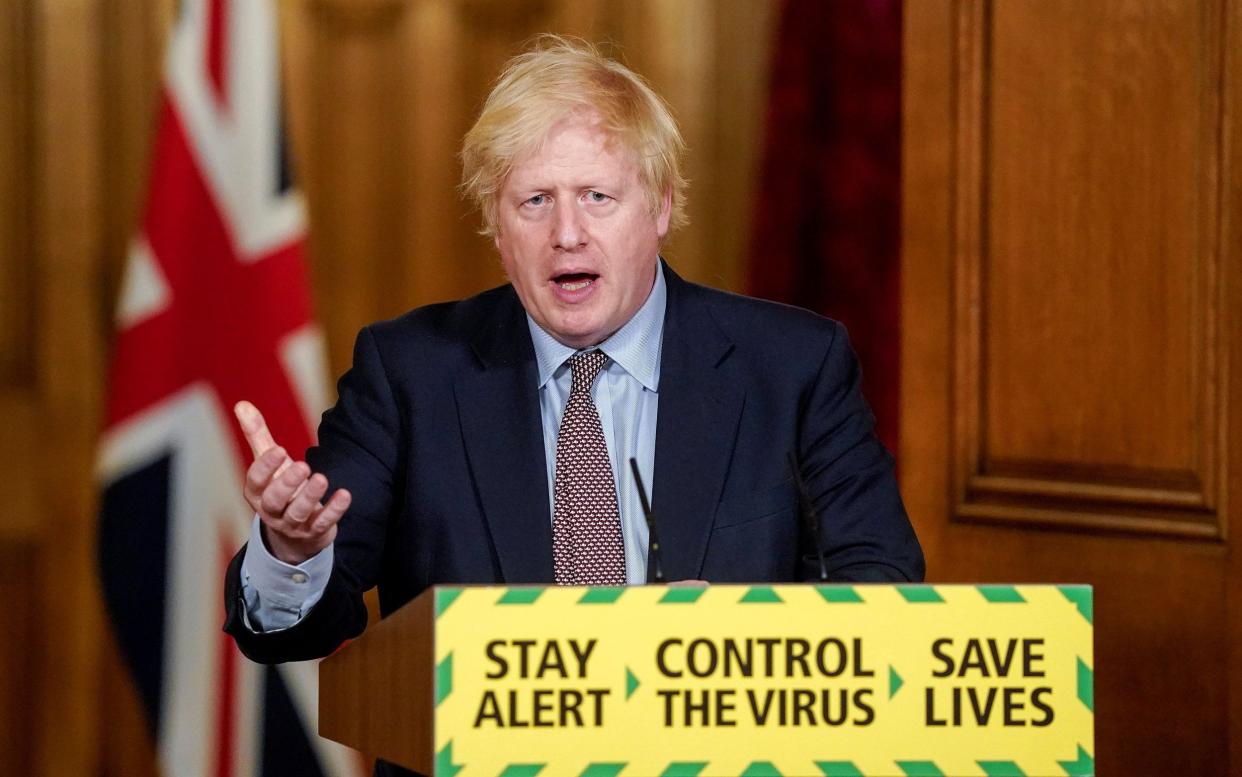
(574, 281)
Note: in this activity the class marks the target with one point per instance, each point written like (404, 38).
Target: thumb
(254, 427)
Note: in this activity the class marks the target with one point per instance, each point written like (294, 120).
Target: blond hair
(555, 78)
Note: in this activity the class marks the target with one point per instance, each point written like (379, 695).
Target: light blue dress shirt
(626, 395)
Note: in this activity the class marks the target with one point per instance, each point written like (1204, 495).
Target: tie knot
(583, 368)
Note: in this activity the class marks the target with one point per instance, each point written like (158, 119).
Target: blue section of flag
(286, 748)
(284, 178)
(133, 544)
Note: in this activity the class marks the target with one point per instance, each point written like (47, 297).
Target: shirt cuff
(278, 595)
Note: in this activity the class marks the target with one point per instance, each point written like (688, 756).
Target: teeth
(575, 285)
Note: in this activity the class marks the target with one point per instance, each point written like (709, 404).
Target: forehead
(576, 147)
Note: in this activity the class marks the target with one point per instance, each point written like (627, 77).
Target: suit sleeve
(864, 528)
(358, 450)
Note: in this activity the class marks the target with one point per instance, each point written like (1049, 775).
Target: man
(488, 440)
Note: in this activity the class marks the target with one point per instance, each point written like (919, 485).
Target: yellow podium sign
(832, 681)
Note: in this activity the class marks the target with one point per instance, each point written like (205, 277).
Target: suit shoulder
(749, 320)
(444, 325)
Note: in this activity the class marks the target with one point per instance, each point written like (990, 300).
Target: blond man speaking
(489, 440)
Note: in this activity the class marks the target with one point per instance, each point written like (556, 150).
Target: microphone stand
(808, 514)
(653, 554)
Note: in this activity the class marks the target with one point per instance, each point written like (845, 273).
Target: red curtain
(826, 230)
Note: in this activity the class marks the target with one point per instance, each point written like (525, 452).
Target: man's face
(576, 233)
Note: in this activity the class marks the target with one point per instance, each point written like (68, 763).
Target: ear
(666, 213)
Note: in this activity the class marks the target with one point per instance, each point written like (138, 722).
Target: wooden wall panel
(19, 666)
(67, 232)
(1095, 254)
(1231, 369)
(16, 353)
(1069, 275)
(19, 546)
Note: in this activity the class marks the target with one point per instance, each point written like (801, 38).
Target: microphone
(808, 514)
(653, 554)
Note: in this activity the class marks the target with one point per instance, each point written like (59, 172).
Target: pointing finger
(254, 427)
(262, 470)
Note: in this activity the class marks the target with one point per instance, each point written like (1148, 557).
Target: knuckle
(254, 482)
(295, 474)
(271, 503)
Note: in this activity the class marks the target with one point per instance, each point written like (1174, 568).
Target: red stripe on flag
(225, 319)
(217, 19)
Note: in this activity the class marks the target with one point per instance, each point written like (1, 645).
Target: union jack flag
(214, 308)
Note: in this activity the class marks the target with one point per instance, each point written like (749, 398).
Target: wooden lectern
(860, 680)
(376, 693)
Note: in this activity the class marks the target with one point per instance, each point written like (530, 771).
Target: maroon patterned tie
(586, 526)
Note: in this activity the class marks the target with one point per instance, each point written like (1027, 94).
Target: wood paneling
(16, 333)
(1095, 254)
(1070, 314)
(379, 93)
(19, 666)
(1231, 368)
(66, 248)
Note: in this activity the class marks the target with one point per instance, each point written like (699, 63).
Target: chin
(581, 334)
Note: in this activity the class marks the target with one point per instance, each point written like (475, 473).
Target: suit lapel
(498, 408)
(695, 430)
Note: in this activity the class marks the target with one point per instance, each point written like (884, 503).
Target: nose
(568, 230)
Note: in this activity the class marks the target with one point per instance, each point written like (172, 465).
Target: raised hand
(287, 495)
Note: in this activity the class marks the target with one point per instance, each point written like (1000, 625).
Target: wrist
(282, 550)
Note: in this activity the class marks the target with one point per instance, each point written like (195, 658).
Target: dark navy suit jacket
(437, 434)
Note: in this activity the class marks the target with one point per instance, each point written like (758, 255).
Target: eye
(595, 196)
(537, 200)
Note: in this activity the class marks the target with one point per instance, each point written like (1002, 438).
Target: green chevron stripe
(444, 762)
(919, 769)
(444, 679)
(1081, 596)
(839, 769)
(631, 683)
(602, 770)
(1083, 767)
(445, 598)
(520, 596)
(919, 594)
(838, 594)
(1000, 594)
(894, 682)
(761, 769)
(522, 770)
(684, 768)
(1001, 769)
(601, 595)
(683, 594)
(761, 595)
(1086, 685)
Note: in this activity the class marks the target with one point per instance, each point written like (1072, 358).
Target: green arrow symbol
(631, 683)
(894, 682)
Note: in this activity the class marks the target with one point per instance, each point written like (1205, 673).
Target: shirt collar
(635, 347)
